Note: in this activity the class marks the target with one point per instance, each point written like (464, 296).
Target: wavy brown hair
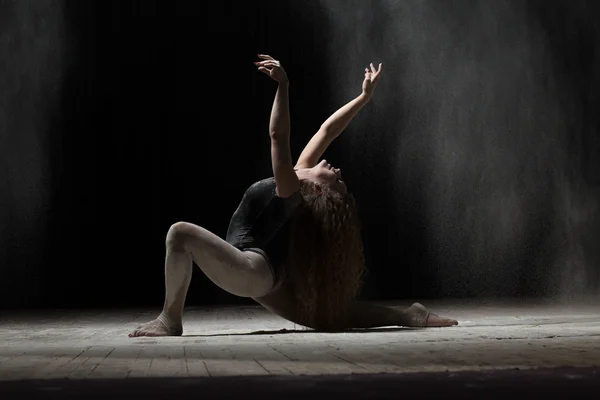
(326, 261)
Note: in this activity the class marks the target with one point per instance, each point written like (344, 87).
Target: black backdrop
(123, 117)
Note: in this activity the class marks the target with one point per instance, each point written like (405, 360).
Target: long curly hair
(325, 261)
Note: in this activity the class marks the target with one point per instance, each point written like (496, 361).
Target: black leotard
(261, 224)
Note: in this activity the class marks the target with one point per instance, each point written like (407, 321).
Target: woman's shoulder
(267, 188)
(263, 183)
(264, 186)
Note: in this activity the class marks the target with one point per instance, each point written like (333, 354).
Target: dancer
(294, 243)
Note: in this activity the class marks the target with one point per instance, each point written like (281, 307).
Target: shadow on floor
(304, 331)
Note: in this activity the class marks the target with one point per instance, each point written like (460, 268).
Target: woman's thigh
(241, 273)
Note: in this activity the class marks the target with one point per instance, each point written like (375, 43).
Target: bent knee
(178, 234)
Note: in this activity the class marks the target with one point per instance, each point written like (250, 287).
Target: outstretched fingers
(267, 66)
(375, 71)
(268, 63)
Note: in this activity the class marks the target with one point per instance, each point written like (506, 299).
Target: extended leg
(365, 315)
(362, 315)
(244, 274)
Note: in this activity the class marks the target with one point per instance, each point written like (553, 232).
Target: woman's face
(325, 173)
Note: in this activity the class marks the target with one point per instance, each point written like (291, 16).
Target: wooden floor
(249, 341)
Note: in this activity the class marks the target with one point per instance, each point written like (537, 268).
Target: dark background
(475, 166)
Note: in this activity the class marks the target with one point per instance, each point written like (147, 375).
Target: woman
(294, 243)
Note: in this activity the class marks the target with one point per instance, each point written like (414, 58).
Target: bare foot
(421, 317)
(157, 328)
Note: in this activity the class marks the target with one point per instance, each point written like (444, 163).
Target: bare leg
(366, 315)
(244, 274)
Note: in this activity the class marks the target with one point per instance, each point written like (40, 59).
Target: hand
(271, 67)
(371, 78)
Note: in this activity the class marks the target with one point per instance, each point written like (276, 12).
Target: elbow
(330, 131)
(326, 128)
(279, 135)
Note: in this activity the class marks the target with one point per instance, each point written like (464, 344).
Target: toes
(152, 329)
(434, 320)
(136, 332)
